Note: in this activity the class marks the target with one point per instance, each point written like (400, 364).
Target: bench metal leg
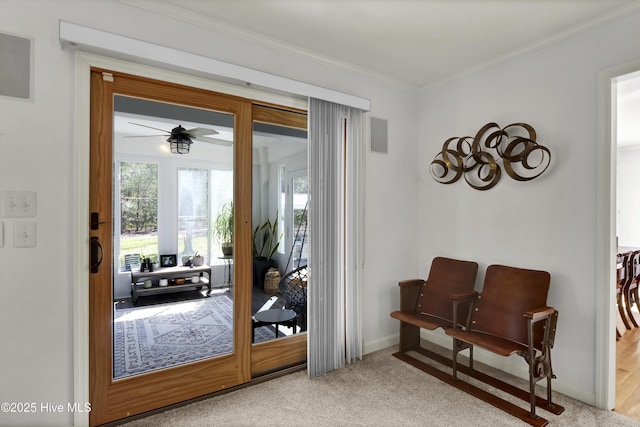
(458, 346)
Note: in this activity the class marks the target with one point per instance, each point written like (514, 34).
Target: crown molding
(618, 13)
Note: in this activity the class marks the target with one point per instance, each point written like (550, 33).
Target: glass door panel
(278, 149)
(173, 303)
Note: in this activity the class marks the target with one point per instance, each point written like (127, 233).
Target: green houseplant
(223, 228)
(265, 239)
(265, 244)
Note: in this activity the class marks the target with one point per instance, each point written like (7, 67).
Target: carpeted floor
(158, 336)
(380, 390)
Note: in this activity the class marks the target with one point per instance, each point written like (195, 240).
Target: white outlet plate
(25, 235)
(19, 204)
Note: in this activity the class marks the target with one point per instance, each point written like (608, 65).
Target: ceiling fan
(181, 139)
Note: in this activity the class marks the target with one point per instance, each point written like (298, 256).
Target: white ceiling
(415, 42)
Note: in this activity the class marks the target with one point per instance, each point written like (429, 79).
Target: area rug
(164, 335)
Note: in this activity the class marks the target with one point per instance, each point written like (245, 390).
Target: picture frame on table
(168, 260)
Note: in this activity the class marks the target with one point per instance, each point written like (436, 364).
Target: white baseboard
(379, 344)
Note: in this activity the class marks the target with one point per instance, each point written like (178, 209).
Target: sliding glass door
(174, 203)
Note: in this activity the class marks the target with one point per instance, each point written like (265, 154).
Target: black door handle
(97, 254)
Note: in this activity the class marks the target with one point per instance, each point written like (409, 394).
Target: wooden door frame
(115, 399)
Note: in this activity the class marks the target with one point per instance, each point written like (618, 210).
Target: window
(221, 196)
(138, 212)
(202, 194)
(300, 231)
(193, 212)
(282, 207)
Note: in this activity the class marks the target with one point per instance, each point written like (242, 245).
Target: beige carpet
(380, 390)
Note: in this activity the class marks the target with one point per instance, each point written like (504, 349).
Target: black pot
(227, 249)
(260, 268)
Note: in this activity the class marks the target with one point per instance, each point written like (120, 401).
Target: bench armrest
(550, 316)
(458, 299)
(410, 282)
(464, 296)
(409, 290)
(539, 313)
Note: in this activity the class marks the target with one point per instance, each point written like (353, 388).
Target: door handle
(97, 254)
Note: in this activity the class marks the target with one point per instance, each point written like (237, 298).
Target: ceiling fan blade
(150, 127)
(214, 141)
(141, 136)
(196, 132)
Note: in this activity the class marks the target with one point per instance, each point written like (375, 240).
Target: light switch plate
(25, 235)
(19, 204)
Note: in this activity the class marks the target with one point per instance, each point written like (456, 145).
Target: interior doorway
(627, 145)
(605, 234)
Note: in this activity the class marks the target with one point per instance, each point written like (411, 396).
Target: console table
(171, 274)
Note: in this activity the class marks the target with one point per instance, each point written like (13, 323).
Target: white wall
(548, 223)
(37, 152)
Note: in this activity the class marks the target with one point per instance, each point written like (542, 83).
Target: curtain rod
(76, 36)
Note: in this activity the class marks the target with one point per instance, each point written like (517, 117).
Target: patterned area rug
(159, 336)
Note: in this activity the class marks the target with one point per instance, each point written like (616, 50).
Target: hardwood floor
(628, 372)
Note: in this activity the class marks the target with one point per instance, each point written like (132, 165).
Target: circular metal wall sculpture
(477, 159)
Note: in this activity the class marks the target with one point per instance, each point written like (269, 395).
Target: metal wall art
(477, 159)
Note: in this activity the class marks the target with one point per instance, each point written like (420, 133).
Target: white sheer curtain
(337, 135)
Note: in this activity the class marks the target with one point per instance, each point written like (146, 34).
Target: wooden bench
(510, 316)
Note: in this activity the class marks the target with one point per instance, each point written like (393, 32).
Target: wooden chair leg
(623, 316)
(636, 297)
(627, 305)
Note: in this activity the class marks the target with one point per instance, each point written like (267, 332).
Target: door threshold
(261, 378)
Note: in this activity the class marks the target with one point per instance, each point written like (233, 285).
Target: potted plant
(265, 244)
(223, 229)
(146, 263)
(197, 260)
(153, 261)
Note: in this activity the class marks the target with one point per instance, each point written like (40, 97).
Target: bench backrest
(447, 277)
(508, 293)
